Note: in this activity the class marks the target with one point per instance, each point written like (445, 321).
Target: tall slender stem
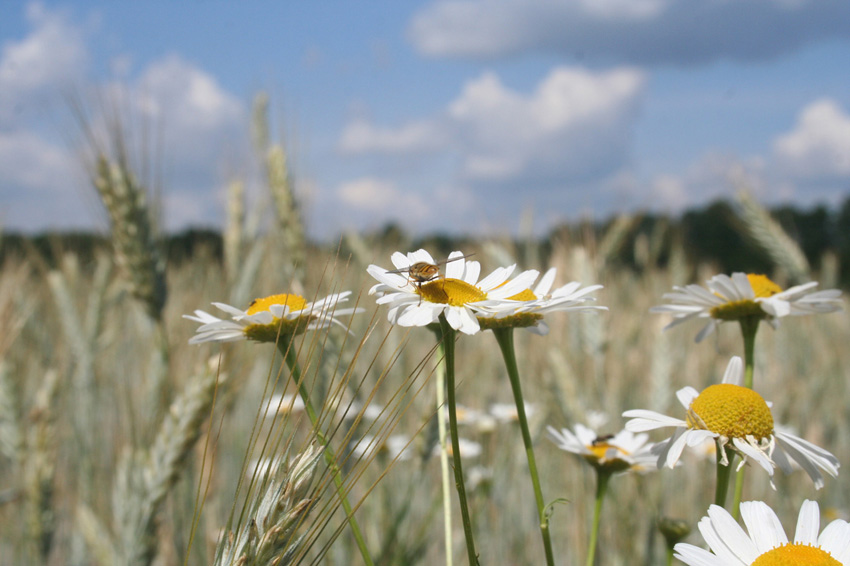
(291, 358)
(749, 328)
(601, 488)
(723, 474)
(449, 346)
(444, 454)
(505, 338)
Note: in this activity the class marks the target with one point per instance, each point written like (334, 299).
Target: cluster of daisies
(734, 417)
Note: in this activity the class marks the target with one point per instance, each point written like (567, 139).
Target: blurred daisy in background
(268, 318)
(620, 452)
(745, 295)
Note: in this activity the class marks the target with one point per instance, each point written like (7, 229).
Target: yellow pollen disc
(796, 555)
(762, 286)
(616, 464)
(731, 411)
(452, 292)
(526, 295)
(294, 302)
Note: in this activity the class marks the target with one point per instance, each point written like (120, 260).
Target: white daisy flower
(268, 318)
(468, 448)
(739, 419)
(288, 404)
(744, 295)
(419, 301)
(765, 542)
(620, 452)
(526, 308)
(397, 447)
(507, 413)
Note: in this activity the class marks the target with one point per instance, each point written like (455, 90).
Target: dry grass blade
(769, 235)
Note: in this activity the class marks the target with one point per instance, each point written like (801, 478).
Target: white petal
(808, 524)
(734, 371)
(835, 539)
(733, 536)
(763, 525)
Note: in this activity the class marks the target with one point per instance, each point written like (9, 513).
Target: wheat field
(124, 444)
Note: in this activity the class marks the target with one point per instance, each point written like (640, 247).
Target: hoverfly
(423, 272)
(601, 439)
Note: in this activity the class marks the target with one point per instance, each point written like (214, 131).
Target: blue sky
(451, 115)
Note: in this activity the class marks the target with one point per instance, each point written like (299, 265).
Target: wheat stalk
(145, 477)
(10, 424)
(39, 468)
(769, 235)
(132, 233)
(268, 537)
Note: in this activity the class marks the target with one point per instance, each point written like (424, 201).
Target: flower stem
(444, 454)
(601, 488)
(449, 346)
(505, 338)
(291, 358)
(723, 474)
(669, 557)
(749, 328)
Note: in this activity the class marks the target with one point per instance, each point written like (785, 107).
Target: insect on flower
(422, 272)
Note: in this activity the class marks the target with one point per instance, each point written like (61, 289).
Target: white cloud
(819, 146)
(574, 125)
(710, 177)
(51, 57)
(633, 31)
(360, 136)
(379, 195)
(189, 120)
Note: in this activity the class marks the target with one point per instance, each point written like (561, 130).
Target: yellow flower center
(526, 295)
(294, 302)
(278, 327)
(731, 411)
(736, 310)
(793, 554)
(597, 460)
(452, 292)
(762, 286)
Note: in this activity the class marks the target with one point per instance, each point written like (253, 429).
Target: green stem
(444, 454)
(670, 556)
(505, 338)
(749, 328)
(601, 487)
(449, 345)
(723, 474)
(288, 351)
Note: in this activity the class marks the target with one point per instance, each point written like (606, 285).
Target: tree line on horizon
(714, 234)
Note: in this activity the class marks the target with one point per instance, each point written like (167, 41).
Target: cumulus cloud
(196, 123)
(361, 136)
(51, 57)
(574, 125)
(644, 32)
(818, 149)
